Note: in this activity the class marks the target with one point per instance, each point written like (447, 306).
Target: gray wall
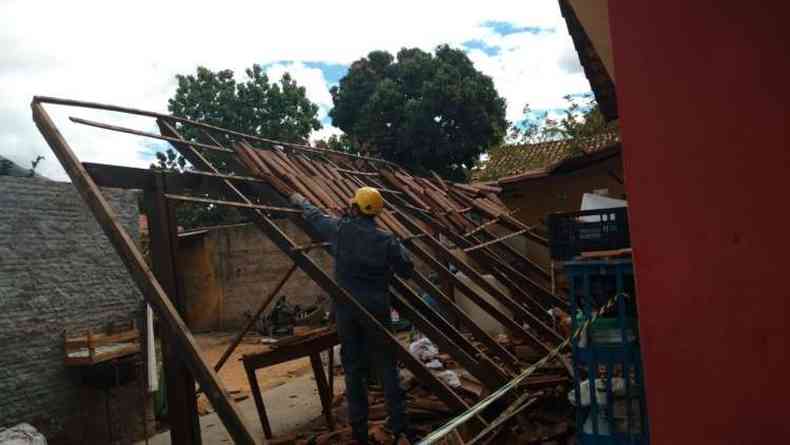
(57, 272)
(228, 271)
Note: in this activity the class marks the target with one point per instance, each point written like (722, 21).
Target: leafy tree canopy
(581, 118)
(274, 110)
(424, 111)
(255, 106)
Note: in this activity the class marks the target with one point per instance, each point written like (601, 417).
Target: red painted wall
(703, 99)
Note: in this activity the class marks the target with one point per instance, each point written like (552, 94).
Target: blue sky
(523, 46)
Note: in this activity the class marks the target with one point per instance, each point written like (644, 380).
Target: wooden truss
(444, 225)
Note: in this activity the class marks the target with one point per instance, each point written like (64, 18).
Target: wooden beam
(138, 112)
(314, 271)
(181, 400)
(251, 322)
(115, 176)
(449, 339)
(219, 202)
(142, 275)
(496, 241)
(211, 147)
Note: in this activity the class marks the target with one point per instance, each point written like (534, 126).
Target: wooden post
(255, 389)
(143, 276)
(324, 392)
(181, 398)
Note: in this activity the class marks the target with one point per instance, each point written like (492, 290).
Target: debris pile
(444, 226)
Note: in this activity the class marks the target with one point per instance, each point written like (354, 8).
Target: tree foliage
(341, 142)
(581, 118)
(255, 106)
(424, 111)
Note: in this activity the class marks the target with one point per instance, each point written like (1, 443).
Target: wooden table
(310, 345)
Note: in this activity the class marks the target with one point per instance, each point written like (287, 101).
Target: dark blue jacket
(365, 257)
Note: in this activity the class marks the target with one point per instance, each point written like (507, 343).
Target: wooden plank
(517, 309)
(440, 181)
(101, 339)
(249, 157)
(101, 357)
(495, 241)
(143, 276)
(255, 389)
(219, 202)
(181, 400)
(325, 281)
(324, 391)
(237, 134)
(77, 120)
(447, 338)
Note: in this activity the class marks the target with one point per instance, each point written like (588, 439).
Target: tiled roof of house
(532, 160)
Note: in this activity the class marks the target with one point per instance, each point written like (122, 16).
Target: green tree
(338, 143)
(255, 106)
(424, 111)
(581, 118)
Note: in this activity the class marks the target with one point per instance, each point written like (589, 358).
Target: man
(365, 260)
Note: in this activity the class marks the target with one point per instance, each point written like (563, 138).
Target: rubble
(446, 226)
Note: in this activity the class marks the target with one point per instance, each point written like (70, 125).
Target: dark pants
(363, 347)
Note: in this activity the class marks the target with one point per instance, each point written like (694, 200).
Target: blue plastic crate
(608, 386)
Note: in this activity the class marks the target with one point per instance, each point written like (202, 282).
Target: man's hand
(297, 199)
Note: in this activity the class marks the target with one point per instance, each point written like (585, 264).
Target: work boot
(359, 434)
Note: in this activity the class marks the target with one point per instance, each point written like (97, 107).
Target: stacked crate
(608, 393)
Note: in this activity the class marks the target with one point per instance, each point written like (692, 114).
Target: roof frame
(328, 179)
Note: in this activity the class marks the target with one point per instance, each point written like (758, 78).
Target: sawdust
(213, 345)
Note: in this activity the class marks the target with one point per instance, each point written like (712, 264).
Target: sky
(128, 53)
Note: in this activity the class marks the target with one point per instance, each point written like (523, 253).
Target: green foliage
(169, 160)
(255, 106)
(423, 111)
(581, 118)
(340, 142)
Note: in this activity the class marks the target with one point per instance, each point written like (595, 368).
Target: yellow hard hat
(368, 200)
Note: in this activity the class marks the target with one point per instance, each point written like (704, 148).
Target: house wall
(58, 272)
(708, 212)
(202, 282)
(231, 269)
(536, 198)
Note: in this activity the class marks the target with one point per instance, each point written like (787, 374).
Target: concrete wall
(231, 269)
(703, 102)
(57, 272)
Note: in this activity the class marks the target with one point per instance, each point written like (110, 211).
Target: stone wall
(228, 270)
(58, 272)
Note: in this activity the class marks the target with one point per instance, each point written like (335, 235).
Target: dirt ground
(213, 345)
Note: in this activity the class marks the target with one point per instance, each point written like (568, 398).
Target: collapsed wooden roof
(442, 224)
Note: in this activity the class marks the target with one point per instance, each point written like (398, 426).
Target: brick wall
(245, 265)
(57, 272)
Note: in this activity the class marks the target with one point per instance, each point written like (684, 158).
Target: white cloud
(325, 133)
(312, 79)
(128, 53)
